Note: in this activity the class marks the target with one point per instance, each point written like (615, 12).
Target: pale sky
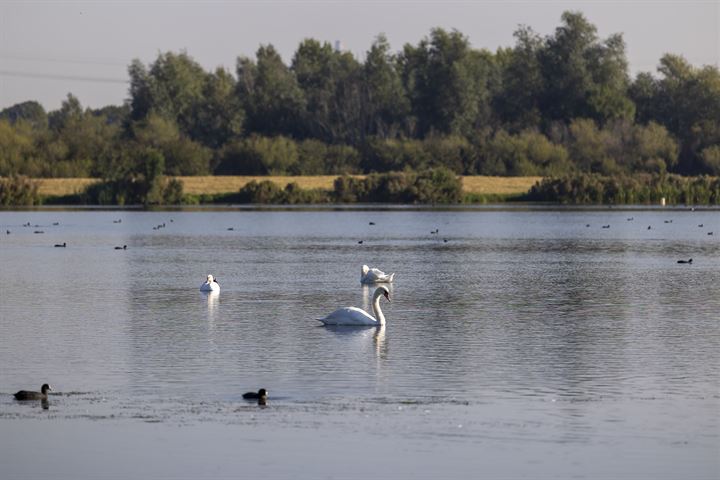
(54, 47)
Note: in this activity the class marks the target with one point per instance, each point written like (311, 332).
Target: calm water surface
(519, 343)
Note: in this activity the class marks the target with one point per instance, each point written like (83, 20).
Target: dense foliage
(427, 187)
(430, 186)
(552, 105)
(645, 188)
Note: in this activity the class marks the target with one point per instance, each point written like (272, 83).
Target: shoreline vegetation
(419, 125)
(434, 186)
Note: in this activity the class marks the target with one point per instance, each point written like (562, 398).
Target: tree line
(549, 105)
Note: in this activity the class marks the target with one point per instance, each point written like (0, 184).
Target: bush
(270, 193)
(641, 188)
(438, 185)
(526, 154)
(258, 156)
(18, 190)
(143, 185)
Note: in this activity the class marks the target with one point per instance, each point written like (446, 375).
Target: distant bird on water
(210, 285)
(685, 261)
(360, 242)
(261, 396)
(63, 245)
(27, 395)
(124, 247)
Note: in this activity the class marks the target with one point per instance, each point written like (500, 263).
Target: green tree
(270, 94)
(385, 104)
(332, 85)
(16, 145)
(517, 103)
(583, 77)
(181, 156)
(172, 87)
(257, 155)
(219, 117)
(686, 100)
(447, 83)
(30, 111)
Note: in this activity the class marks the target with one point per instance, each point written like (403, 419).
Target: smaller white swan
(353, 316)
(373, 275)
(210, 285)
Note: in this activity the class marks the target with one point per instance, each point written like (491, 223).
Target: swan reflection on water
(212, 299)
(360, 337)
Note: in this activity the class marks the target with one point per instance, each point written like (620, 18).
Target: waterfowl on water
(63, 245)
(259, 395)
(210, 285)
(685, 261)
(124, 247)
(374, 275)
(28, 395)
(353, 316)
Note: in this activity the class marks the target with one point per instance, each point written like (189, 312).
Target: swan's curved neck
(377, 310)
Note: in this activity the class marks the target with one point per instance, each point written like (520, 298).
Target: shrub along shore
(432, 186)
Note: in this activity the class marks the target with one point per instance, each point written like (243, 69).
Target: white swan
(210, 285)
(373, 275)
(358, 317)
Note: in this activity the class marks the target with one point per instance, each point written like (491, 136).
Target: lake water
(520, 343)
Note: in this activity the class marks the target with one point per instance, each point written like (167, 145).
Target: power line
(44, 59)
(56, 76)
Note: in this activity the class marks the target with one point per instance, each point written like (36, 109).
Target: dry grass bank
(62, 186)
(227, 184)
(471, 184)
(498, 185)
